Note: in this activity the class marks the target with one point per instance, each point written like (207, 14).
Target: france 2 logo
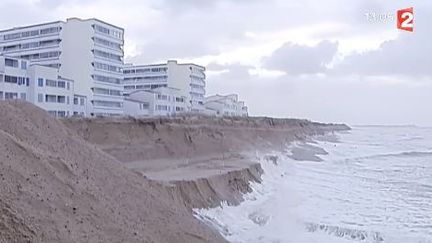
(405, 19)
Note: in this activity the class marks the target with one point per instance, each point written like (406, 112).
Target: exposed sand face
(203, 160)
(59, 187)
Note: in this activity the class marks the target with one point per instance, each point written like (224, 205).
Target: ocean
(373, 185)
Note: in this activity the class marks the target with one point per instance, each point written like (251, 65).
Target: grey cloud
(172, 49)
(176, 5)
(326, 99)
(235, 72)
(298, 59)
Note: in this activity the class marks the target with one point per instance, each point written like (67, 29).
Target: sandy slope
(204, 160)
(126, 180)
(55, 187)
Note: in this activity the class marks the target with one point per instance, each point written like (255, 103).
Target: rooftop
(59, 22)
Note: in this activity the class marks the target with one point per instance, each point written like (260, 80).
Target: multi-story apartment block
(189, 79)
(40, 85)
(225, 105)
(90, 52)
(162, 101)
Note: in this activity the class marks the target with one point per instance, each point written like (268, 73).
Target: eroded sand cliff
(127, 180)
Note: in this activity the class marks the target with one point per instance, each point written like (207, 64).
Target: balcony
(197, 90)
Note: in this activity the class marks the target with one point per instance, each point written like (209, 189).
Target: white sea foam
(374, 185)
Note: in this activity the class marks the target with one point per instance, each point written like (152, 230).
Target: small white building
(225, 105)
(188, 79)
(162, 101)
(40, 85)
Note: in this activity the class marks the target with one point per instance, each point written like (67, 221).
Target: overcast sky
(320, 60)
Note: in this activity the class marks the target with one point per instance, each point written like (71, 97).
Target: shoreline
(85, 182)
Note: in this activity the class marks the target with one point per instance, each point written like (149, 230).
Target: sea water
(374, 185)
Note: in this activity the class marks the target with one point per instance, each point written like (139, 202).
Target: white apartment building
(189, 79)
(40, 85)
(225, 105)
(89, 51)
(162, 101)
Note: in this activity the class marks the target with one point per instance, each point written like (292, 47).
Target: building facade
(40, 85)
(162, 101)
(225, 105)
(189, 79)
(90, 52)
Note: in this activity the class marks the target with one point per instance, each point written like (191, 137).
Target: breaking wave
(367, 188)
(351, 234)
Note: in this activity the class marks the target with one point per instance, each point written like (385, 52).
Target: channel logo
(405, 19)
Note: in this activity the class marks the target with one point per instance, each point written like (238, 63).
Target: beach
(126, 179)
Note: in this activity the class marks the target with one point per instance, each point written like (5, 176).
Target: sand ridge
(58, 188)
(127, 180)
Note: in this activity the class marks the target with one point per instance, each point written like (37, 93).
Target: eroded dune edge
(127, 180)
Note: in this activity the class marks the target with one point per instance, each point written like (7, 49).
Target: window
(161, 78)
(11, 79)
(11, 63)
(144, 106)
(68, 86)
(30, 33)
(23, 65)
(157, 70)
(12, 36)
(51, 98)
(107, 103)
(23, 96)
(107, 43)
(40, 98)
(162, 97)
(107, 55)
(75, 101)
(115, 92)
(27, 81)
(61, 114)
(162, 107)
(11, 96)
(154, 86)
(178, 99)
(67, 100)
(21, 81)
(46, 55)
(1, 95)
(50, 30)
(101, 91)
(30, 45)
(61, 99)
(106, 67)
(52, 113)
(11, 48)
(40, 82)
(140, 86)
(49, 43)
(82, 101)
(50, 83)
(106, 79)
(102, 30)
(61, 84)
(114, 33)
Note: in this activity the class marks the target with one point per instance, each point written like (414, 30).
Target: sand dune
(58, 188)
(126, 180)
